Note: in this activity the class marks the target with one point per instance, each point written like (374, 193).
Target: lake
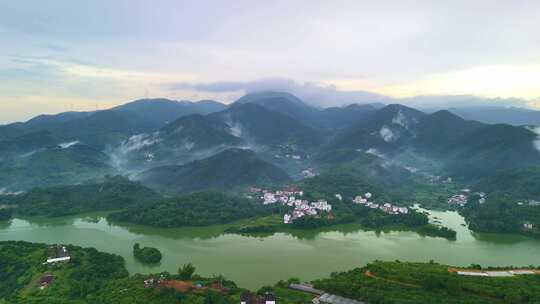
(253, 262)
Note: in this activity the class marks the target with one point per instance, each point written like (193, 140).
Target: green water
(256, 261)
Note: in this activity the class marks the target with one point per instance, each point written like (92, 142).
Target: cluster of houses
(528, 226)
(388, 208)
(151, 282)
(462, 198)
(59, 253)
(292, 197)
(308, 173)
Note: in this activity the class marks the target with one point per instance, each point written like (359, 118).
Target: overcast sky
(80, 55)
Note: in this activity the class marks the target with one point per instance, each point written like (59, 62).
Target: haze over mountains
(177, 146)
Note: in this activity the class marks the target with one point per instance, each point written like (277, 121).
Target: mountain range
(262, 138)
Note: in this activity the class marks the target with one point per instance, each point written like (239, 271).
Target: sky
(61, 55)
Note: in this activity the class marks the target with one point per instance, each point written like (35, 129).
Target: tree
(186, 271)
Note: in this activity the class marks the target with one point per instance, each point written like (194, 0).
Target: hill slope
(162, 111)
(232, 168)
(257, 124)
(53, 166)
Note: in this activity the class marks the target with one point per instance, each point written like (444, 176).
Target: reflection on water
(254, 261)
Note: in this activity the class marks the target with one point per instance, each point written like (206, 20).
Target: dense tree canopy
(115, 192)
(148, 255)
(196, 209)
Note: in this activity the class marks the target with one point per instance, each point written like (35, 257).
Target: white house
(55, 260)
(287, 218)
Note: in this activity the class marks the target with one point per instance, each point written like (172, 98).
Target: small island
(147, 255)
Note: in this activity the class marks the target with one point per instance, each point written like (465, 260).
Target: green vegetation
(79, 281)
(196, 209)
(93, 277)
(503, 214)
(400, 283)
(53, 166)
(228, 170)
(114, 193)
(433, 230)
(520, 184)
(186, 271)
(257, 225)
(268, 127)
(350, 173)
(148, 255)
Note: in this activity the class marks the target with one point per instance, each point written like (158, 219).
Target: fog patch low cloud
(328, 95)
(314, 93)
(68, 144)
(536, 143)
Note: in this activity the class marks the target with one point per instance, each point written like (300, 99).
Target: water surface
(257, 261)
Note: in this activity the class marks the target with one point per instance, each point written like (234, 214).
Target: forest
(403, 282)
(195, 209)
(503, 214)
(113, 193)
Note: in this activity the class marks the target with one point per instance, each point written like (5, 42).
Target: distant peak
(263, 96)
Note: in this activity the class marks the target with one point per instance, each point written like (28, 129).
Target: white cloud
(387, 134)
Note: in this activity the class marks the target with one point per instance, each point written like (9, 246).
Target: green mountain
(185, 139)
(282, 102)
(257, 124)
(490, 149)
(27, 143)
(343, 117)
(352, 172)
(53, 166)
(110, 127)
(44, 120)
(389, 130)
(465, 149)
(162, 111)
(290, 105)
(519, 183)
(439, 131)
(227, 170)
(198, 132)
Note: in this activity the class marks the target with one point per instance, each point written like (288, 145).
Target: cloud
(326, 95)
(434, 102)
(315, 93)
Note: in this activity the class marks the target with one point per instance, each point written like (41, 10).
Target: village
(462, 198)
(387, 208)
(292, 197)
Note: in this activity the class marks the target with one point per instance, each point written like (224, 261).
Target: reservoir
(253, 262)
